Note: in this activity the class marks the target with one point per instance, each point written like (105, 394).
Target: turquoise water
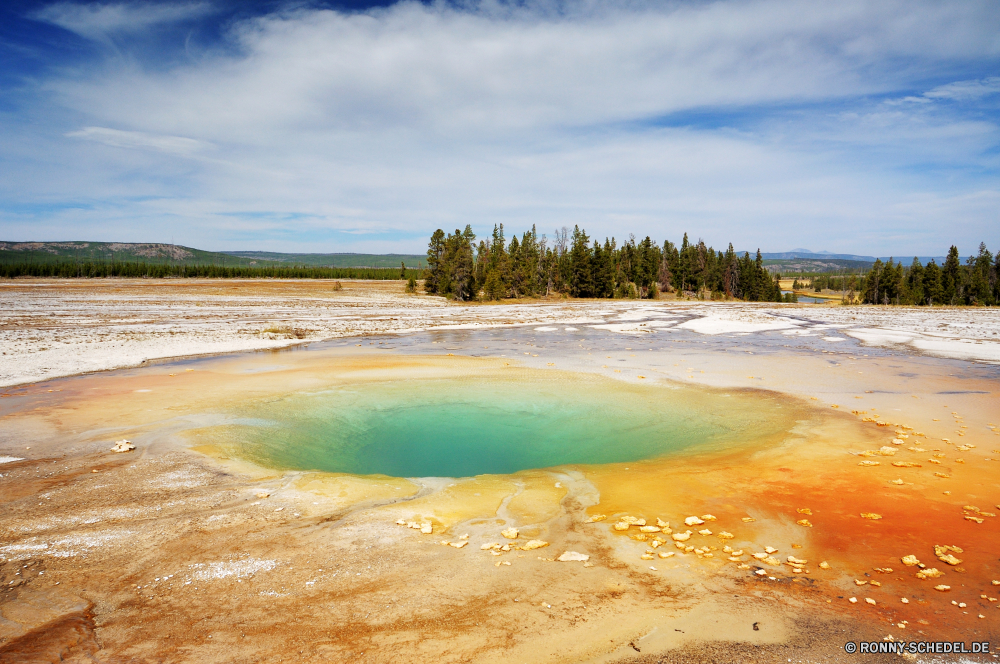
(460, 428)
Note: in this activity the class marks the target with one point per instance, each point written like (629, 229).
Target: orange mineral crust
(750, 544)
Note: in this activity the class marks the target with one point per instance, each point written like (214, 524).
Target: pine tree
(582, 280)
(915, 283)
(435, 254)
(933, 292)
(951, 279)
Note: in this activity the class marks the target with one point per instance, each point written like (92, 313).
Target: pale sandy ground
(52, 328)
(162, 555)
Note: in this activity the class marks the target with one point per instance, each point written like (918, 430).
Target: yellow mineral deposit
(871, 516)
(930, 573)
(804, 522)
(510, 533)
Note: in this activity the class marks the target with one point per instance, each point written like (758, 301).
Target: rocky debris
(724, 535)
(796, 561)
(942, 552)
(510, 533)
(693, 521)
(870, 601)
(824, 565)
(804, 510)
(597, 517)
(267, 494)
(665, 554)
(649, 529)
(804, 522)
(705, 531)
(573, 556)
(533, 544)
(748, 519)
(707, 517)
(906, 464)
(681, 537)
(942, 588)
(871, 516)
(869, 463)
(459, 545)
(426, 528)
(929, 573)
(123, 445)
(661, 523)
(621, 525)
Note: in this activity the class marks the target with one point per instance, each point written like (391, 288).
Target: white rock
(572, 557)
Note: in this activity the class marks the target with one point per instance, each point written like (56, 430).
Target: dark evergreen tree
(951, 278)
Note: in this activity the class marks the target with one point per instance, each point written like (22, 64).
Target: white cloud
(964, 90)
(97, 21)
(177, 145)
(401, 120)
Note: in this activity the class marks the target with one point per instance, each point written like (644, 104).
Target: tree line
(140, 270)
(574, 265)
(976, 282)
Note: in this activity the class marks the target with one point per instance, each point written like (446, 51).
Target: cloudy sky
(859, 127)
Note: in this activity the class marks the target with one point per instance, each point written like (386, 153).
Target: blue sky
(853, 127)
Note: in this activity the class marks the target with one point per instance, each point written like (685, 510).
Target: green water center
(465, 427)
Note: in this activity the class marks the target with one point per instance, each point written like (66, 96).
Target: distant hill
(96, 252)
(810, 265)
(334, 260)
(805, 261)
(826, 255)
(173, 254)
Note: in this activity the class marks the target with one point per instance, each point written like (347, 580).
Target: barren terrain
(176, 551)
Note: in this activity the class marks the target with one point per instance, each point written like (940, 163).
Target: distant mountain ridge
(172, 254)
(820, 255)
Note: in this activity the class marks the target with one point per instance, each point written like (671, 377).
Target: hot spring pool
(460, 427)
